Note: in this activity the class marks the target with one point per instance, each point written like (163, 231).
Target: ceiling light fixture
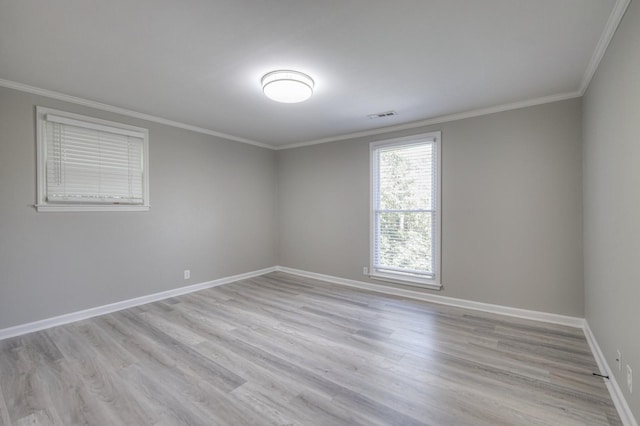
(287, 86)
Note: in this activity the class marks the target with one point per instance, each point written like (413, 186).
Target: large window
(405, 216)
(87, 164)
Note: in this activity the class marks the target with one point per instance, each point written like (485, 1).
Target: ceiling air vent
(382, 115)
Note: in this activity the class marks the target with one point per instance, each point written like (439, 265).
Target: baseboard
(443, 300)
(616, 393)
(614, 390)
(113, 307)
(612, 385)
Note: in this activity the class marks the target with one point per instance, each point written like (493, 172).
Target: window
(87, 164)
(405, 210)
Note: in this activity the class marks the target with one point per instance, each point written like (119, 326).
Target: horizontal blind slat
(93, 164)
(404, 208)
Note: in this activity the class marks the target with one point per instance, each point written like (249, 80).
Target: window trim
(401, 278)
(42, 205)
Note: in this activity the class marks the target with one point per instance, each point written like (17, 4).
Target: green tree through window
(405, 208)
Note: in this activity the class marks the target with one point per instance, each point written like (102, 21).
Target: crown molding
(610, 28)
(441, 119)
(383, 130)
(126, 112)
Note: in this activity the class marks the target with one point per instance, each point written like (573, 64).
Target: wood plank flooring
(284, 350)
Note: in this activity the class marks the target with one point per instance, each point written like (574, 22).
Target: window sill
(92, 208)
(414, 282)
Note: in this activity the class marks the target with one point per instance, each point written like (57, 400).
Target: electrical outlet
(619, 360)
(629, 379)
(365, 271)
(187, 274)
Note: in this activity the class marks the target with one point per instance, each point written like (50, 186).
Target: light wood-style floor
(285, 350)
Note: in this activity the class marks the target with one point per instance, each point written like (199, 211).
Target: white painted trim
(442, 119)
(431, 137)
(610, 28)
(94, 208)
(616, 393)
(443, 300)
(380, 131)
(118, 306)
(614, 390)
(44, 115)
(612, 385)
(122, 111)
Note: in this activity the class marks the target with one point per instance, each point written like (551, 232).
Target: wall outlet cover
(629, 379)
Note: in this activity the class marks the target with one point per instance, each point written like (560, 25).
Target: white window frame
(43, 205)
(404, 278)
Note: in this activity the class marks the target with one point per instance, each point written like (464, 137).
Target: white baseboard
(443, 300)
(612, 385)
(106, 309)
(616, 393)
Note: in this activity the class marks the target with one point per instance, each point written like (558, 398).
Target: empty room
(295, 212)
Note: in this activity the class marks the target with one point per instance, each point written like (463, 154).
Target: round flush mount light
(287, 86)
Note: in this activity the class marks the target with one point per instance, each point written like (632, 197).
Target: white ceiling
(199, 62)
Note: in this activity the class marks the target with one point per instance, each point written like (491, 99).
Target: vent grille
(382, 115)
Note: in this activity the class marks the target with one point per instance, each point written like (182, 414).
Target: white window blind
(90, 163)
(405, 214)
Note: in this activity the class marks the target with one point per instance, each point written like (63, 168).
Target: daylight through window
(90, 164)
(406, 209)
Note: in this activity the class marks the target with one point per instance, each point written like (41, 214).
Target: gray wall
(512, 208)
(612, 202)
(512, 225)
(213, 211)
